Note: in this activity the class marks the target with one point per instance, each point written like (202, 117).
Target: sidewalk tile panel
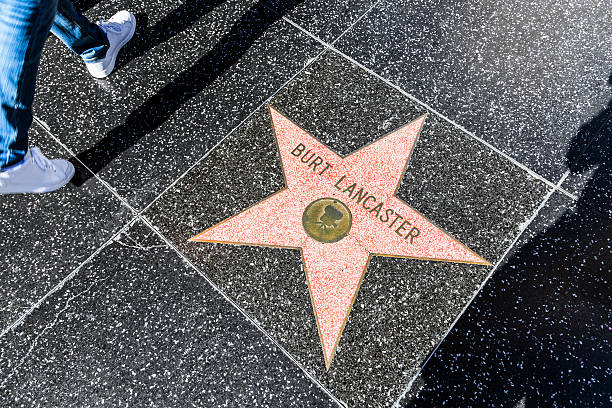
(404, 306)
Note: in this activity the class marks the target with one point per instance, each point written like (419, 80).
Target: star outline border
(371, 254)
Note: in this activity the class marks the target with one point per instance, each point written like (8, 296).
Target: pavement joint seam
(66, 279)
(481, 286)
(331, 48)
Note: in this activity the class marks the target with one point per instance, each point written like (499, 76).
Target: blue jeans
(24, 25)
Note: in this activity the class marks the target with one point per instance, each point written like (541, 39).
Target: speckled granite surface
(404, 306)
(139, 323)
(46, 236)
(522, 75)
(590, 165)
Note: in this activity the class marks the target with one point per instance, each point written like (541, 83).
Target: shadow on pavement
(157, 109)
(177, 21)
(84, 5)
(539, 334)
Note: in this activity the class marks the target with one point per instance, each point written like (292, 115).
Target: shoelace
(40, 160)
(105, 24)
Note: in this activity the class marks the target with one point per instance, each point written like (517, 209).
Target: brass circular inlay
(327, 220)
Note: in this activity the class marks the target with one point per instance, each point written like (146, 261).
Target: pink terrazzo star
(362, 186)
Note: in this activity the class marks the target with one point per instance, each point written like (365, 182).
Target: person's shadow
(158, 108)
(83, 5)
(178, 20)
(539, 333)
(146, 38)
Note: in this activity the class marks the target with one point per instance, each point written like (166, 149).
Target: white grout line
(493, 270)
(431, 109)
(241, 310)
(60, 285)
(353, 24)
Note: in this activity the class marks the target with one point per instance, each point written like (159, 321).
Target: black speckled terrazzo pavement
(104, 301)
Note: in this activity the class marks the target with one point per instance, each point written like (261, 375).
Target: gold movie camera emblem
(327, 220)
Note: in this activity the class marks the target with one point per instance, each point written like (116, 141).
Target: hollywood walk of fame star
(340, 212)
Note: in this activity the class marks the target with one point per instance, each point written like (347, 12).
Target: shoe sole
(46, 189)
(109, 70)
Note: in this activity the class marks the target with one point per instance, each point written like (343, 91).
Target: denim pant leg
(24, 25)
(83, 37)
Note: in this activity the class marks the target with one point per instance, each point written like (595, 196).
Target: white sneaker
(119, 30)
(36, 174)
